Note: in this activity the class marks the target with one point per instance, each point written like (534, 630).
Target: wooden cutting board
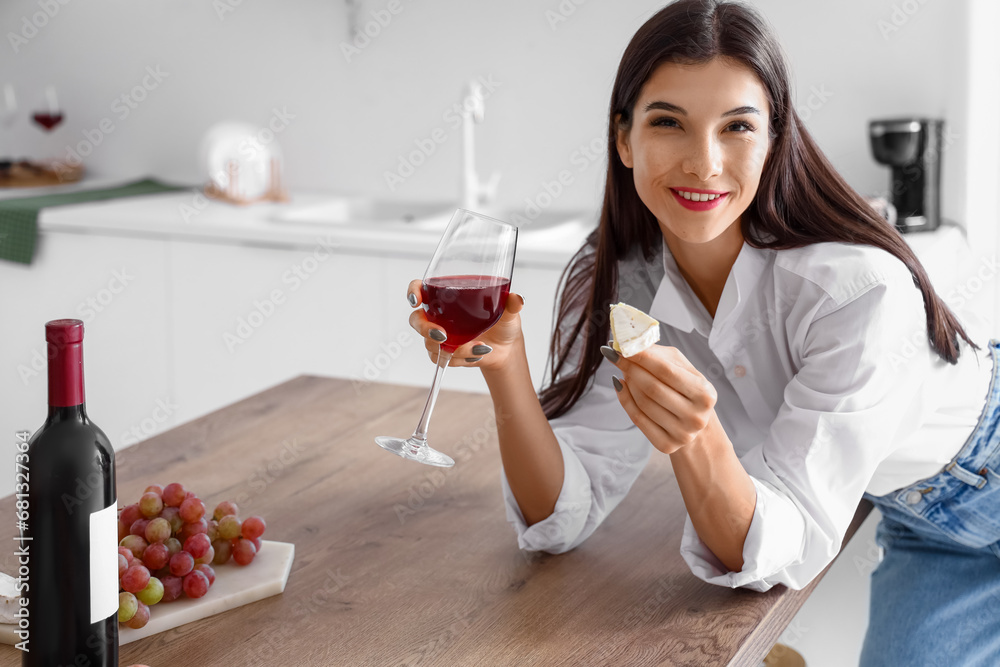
(234, 586)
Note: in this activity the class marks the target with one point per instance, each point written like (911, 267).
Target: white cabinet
(245, 318)
(117, 287)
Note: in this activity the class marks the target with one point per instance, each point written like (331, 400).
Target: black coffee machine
(912, 148)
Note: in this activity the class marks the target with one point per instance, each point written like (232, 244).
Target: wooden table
(403, 564)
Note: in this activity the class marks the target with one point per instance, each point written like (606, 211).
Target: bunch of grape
(167, 548)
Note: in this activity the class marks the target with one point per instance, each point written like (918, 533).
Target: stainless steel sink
(358, 210)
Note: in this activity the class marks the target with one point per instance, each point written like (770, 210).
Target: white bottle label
(103, 563)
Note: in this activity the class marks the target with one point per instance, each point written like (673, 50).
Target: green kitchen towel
(19, 217)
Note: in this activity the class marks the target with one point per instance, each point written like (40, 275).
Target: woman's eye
(742, 126)
(663, 121)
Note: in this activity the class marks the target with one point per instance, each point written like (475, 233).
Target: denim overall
(935, 596)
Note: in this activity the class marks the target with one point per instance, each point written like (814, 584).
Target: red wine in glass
(464, 306)
(47, 119)
(464, 291)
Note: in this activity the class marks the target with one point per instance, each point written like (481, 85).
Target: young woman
(805, 360)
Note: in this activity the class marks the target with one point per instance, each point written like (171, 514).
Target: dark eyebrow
(673, 108)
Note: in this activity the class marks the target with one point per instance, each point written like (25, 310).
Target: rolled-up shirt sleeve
(603, 454)
(862, 366)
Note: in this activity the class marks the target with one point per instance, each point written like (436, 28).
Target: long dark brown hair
(801, 198)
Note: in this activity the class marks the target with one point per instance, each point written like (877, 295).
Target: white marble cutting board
(234, 586)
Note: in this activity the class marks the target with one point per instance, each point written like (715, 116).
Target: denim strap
(969, 477)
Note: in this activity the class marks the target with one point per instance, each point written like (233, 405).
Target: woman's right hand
(503, 337)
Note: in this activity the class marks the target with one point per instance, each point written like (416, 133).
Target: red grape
(141, 617)
(207, 558)
(130, 514)
(209, 572)
(195, 584)
(223, 550)
(173, 494)
(197, 545)
(253, 526)
(134, 543)
(172, 587)
(125, 552)
(243, 552)
(157, 530)
(151, 504)
(122, 564)
(123, 530)
(181, 563)
(135, 578)
(229, 527)
(225, 508)
(189, 529)
(139, 527)
(154, 488)
(192, 509)
(256, 543)
(157, 555)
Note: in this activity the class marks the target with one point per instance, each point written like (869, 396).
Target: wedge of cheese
(632, 330)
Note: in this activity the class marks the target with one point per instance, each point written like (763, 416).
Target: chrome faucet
(474, 194)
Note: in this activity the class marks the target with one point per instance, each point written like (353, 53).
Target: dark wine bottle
(72, 524)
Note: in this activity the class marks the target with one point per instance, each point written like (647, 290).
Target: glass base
(414, 450)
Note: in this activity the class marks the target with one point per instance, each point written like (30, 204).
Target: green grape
(127, 606)
(172, 544)
(157, 530)
(173, 515)
(229, 527)
(152, 593)
(151, 504)
(135, 544)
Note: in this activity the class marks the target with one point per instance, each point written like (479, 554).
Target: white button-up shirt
(827, 387)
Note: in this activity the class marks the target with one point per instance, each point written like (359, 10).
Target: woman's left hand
(665, 396)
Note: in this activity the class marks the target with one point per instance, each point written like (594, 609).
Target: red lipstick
(698, 205)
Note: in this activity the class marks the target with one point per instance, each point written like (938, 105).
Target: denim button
(913, 497)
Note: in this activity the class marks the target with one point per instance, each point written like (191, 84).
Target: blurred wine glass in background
(50, 115)
(8, 112)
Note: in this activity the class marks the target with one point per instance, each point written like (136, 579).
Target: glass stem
(442, 363)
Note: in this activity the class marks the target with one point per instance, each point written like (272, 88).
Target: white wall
(354, 119)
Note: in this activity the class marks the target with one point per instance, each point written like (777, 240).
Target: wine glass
(464, 291)
(50, 116)
(8, 113)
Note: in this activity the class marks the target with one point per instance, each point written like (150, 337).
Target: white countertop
(190, 216)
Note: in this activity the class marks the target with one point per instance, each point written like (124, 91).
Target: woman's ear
(624, 148)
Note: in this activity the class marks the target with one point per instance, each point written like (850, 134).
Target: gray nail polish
(610, 354)
(412, 298)
(438, 335)
(481, 349)
(618, 383)
(472, 360)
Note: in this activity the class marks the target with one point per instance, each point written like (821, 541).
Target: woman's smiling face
(697, 132)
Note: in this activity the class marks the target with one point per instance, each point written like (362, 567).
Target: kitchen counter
(402, 563)
(191, 216)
